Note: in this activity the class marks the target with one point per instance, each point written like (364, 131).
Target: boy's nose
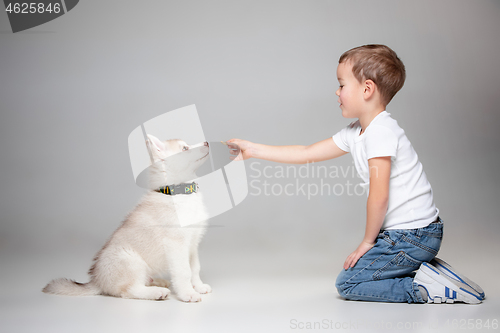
(337, 92)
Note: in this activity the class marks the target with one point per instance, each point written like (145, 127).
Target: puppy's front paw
(190, 297)
(203, 288)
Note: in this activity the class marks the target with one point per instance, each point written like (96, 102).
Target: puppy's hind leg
(132, 271)
(138, 289)
(141, 291)
(159, 282)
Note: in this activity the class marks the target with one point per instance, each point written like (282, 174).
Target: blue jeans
(384, 273)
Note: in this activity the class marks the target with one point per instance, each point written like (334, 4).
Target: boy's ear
(155, 143)
(369, 89)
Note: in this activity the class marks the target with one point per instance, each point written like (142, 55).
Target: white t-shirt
(411, 203)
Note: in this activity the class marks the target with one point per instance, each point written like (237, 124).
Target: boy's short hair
(380, 64)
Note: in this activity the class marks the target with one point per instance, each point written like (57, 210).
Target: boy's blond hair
(380, 64)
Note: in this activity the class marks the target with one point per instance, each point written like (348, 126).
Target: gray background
(73, 89)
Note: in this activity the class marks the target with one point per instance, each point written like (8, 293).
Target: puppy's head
(175, 159)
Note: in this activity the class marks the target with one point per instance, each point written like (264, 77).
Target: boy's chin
(346, 114)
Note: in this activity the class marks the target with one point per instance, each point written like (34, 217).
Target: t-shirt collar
(373, 120)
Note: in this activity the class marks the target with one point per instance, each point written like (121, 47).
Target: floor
(252, 292)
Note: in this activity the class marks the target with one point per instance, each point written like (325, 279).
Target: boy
(403, 230)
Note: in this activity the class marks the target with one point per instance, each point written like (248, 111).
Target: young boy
(403, 229)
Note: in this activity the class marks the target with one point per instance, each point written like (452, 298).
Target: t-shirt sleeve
(340, 139)
(380, 141)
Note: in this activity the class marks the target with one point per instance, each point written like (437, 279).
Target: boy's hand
(245, 149)
(353, 258)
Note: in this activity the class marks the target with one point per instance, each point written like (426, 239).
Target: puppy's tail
(71, 288)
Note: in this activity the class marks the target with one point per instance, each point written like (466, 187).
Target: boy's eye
(341, 86)
(185, 148)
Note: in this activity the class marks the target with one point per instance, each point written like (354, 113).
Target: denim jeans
(384, 273)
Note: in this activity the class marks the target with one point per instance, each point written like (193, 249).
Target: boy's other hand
(243, 153)
(353, 258)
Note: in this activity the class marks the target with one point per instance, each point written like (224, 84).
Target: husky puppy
(151, 242)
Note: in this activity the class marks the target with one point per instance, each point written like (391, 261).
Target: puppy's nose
(206, 143)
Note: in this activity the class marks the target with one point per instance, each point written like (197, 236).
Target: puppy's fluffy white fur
(151, 242)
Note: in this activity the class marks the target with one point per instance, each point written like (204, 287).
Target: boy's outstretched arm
(319, 151)
(376, 206)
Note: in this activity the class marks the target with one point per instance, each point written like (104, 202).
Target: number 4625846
(472, 324)
(32, 8)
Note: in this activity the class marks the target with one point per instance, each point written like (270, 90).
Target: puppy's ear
(155, 144)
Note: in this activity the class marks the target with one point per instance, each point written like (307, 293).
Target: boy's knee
(344, 276)
(339, 282)
(342, 293)
(342, 285)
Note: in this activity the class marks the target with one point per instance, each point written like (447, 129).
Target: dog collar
(182, 188)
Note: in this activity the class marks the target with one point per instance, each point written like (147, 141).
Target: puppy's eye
(185, 148)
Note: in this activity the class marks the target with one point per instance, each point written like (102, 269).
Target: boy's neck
(366, 118)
